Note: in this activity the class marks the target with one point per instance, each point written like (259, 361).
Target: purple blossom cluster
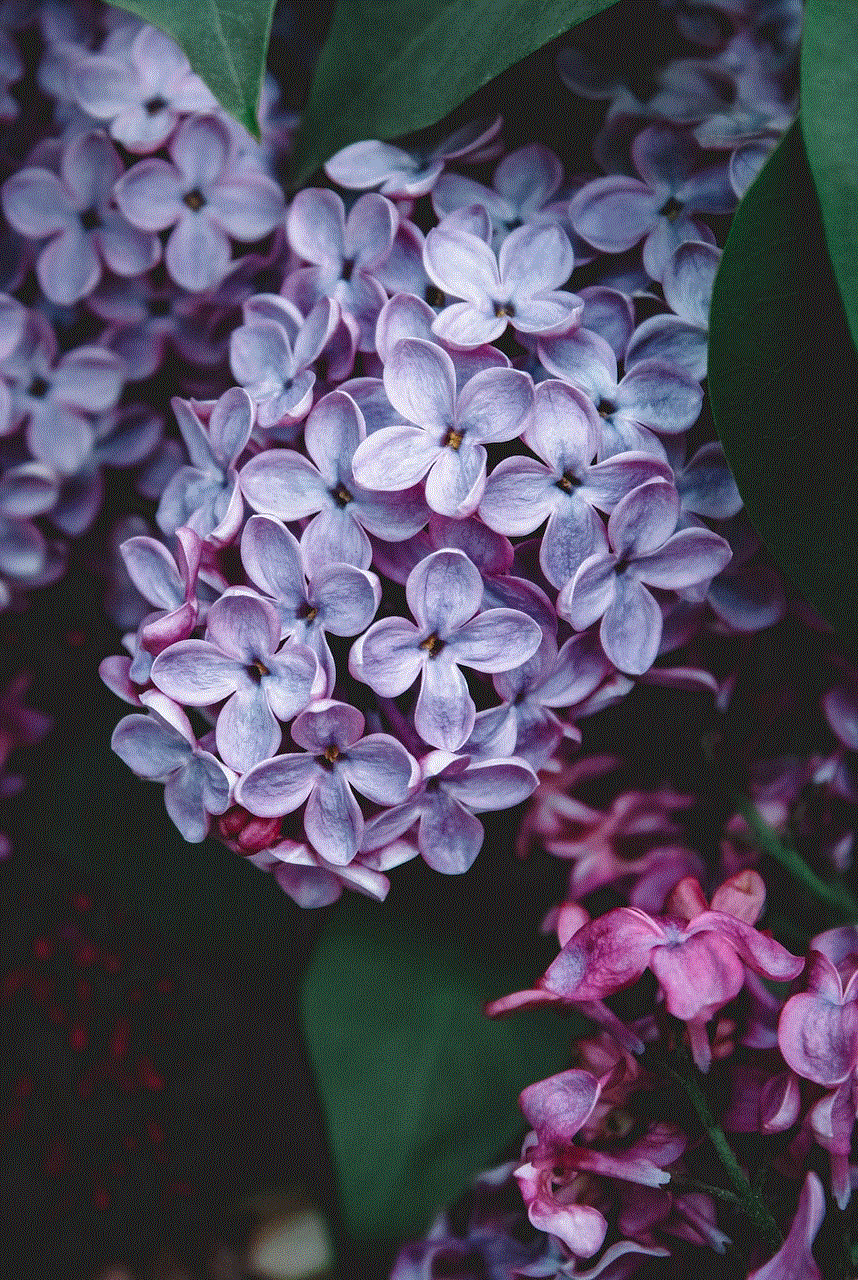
(464, 491)
(102, 286)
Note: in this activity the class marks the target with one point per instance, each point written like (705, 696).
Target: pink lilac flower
(699, 963)
(283, 483)
(444, 594)
(343, 253)
(240, 662)
(681, 339)
(408, 174)
(794, 1260)
(444, 434)
(520, 287)
(140, 92)
(335, 758)
(818, 1037)
(558, 1109)
(162, 746)
(206, 195)
(76, 213)
(452, 790)
(338, 598)
(273, 365)
(645, 552)
(564, 431)
(615, 213)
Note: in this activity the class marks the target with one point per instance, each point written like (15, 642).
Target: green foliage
(783, 378)
(391, 67)
(225, 41)
(829, 122)
(419, 1088)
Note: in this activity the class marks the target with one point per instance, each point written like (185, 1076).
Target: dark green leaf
(419, 1088)
(783, 377)
(225, 41)
(391, 67)
(829, 121)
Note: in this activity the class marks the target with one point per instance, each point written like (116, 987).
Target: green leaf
(783, 378)
(419, 1088)
(225, 41)
(829, 121)
(391, 67)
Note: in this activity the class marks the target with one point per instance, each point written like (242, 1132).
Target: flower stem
(745, 1198)
(836, 895)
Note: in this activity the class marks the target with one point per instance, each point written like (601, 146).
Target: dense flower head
(463, 484)
(435, 521)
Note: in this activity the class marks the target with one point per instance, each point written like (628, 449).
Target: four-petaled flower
(444, 594)
(610, 584)
(335, 758)
(239, 661)
(520, 287)
(444, 434)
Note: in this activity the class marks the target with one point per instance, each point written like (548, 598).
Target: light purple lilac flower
(76, 213)
(520, 287)
(615, 213)
(206, 195)
(11, 71)
(12, 320)
(335, 758)
(681, 339)
(56, 396)
(525, 182)
(704, 482)
(273, 365)
(343, 253)
(309, 600)
(453, 788)
(444, 594)
(162, 746)
(205, 495)
(311, 881)
(610, 584)
(564, 431)
(239, 661)
(169, 583)
(405, 316)
(398, 172)
(525, 724)
(283, 483)
(140, 93)
(653, 397)
(444, 434)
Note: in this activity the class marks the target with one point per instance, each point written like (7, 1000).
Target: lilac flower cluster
(119, 255)
(486, 393)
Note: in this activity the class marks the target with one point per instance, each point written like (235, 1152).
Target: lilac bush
(438, 490)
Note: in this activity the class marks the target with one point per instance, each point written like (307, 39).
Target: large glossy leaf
(225, 41)
(829, 121)
(783, 377)
(390, 67)
(419, 1088)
